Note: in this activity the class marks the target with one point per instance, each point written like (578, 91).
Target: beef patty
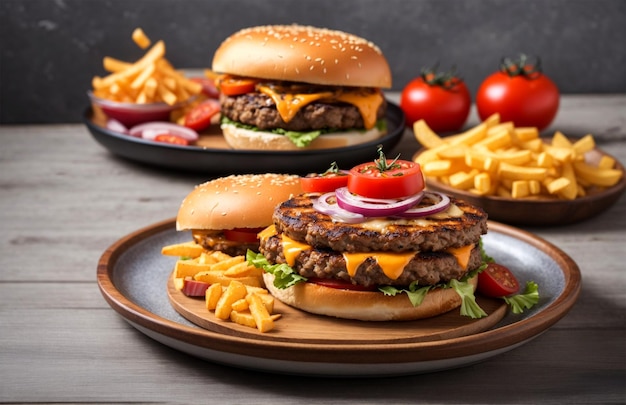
(300, 221)
(215, 240)
(427, 268)
(260, 111)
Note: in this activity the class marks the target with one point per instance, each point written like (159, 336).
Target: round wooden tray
(298, 326)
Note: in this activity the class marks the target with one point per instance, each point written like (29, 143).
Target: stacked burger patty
(431, 240)
(259, 110)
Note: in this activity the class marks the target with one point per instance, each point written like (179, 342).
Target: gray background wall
(49, 50)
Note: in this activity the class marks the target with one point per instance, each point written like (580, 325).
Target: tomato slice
(208, 86)
(171, 138)
(323, 183)
(497, 281)
(402, 178)
(199, 117)
(233, 86)
(340, 284)
(245, 235)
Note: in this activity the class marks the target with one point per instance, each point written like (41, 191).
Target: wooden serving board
(297, 326)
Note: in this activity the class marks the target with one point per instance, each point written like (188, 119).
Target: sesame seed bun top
(237, 201)
(303, 54)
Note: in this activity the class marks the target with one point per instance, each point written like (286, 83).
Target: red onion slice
(116, 126)
(375, 207)
(331, 209)
(150, 130)
(442, 205)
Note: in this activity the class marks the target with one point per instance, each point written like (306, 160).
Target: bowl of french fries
(149, 89)
(519, 177)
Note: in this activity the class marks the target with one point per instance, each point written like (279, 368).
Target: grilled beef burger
(227, 213)
(292, 87)
(392, 256)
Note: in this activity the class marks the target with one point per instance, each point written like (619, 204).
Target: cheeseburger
(292, 87)
(340, 254)
(226, 214)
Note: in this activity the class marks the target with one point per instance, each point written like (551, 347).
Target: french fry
(495, 158)
(234, 292)
(260, 314)
(560, 141)
(463, 180)
(189, 268)
(520, 189)
(243, 269)
(227, 263)
(244, 318)
(240, 305)
(140, 38)
(151, 79)
(471, 136)
(482, 183)
(514, 172)
(186, 249)
(597, 177)
(437, 168)
(525, 134)
(232, 283)
(114, 65)
(156, 52)
(426, 136)
(570, 191)
(584, 144)
(212, 296)
(218, 277)
(558, 185)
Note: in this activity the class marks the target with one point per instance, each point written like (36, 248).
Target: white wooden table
(64, 199)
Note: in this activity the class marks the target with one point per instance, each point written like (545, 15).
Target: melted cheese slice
(292, 248)
(367, 104)
(462, 254)
(393, 264)
(288, 105)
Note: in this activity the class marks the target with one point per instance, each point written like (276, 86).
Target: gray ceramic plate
(132, 276)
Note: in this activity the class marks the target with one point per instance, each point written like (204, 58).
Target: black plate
(229, 161)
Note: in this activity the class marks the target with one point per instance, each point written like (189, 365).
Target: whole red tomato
(440, 99)
(519, 92)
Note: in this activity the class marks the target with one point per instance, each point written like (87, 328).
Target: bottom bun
(364, 305)
(241, 138)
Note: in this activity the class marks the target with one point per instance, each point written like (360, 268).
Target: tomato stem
(381, 162)
(446, 80)
(521, 67)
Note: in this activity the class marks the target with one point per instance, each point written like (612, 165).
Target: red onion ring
(374, 207)
(442, 205)
(150, 130)
(116, 126)
(322, 205)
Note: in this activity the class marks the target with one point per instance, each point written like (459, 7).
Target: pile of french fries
(151, 79)
(498, 159)
(235, 289)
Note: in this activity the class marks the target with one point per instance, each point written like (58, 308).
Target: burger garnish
(330, 180)
(425, 246)
(284, 86)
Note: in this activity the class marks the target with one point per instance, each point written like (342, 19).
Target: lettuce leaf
(300, 138)
(525, 300)
(284, 276)
(416, 294)
(469, 307)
